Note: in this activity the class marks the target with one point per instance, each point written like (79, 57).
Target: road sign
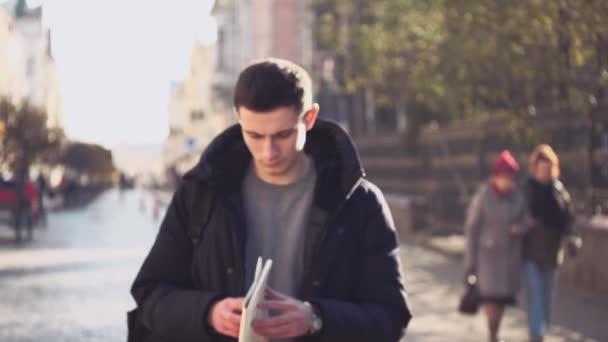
(191, 144)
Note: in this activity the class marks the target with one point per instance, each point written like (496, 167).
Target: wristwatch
(317, 322)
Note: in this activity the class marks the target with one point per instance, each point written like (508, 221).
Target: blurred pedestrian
(122, 185)
(493, 253)
(142, 203)
(41, 183)
(550, 219)
(42, 191)
(155, 205)
(286, 186)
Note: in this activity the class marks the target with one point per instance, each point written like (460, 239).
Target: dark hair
(273, 83)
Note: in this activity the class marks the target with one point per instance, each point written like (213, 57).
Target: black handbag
(469, 301)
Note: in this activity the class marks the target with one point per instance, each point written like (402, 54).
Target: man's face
(274, 138)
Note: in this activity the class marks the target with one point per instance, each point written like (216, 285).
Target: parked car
(30, 212)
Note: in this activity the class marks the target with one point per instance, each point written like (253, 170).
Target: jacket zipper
(239, 269)
(328, 223)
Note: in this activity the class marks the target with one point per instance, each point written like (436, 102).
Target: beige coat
(493, 253)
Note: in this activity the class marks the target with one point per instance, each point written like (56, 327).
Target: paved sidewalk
(433, 281)
(454, 245)
(71, 283)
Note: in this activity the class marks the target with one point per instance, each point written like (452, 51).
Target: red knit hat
(505, 164)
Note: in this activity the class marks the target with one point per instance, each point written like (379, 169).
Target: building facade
(27, 68)
(192, 121)
(249, 30)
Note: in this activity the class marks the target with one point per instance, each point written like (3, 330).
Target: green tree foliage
(27, 138)
(525, 56)
(471, 59)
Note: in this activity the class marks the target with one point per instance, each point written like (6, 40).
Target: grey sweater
(277, 217)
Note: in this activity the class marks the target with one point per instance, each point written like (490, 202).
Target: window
(30, 67)
(175, 131)
(197, 115)
(221, 46)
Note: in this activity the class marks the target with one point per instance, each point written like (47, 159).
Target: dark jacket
(351, 260)
(551, 207)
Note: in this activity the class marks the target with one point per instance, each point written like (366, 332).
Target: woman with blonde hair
(550, 218)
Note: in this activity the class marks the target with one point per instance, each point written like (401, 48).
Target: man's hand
(225, 316)
(294, 320)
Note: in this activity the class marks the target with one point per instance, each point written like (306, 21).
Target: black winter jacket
(551, 206)
(351, 271)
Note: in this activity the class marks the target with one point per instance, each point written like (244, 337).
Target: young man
(290, 188)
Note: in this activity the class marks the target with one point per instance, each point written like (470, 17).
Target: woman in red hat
(493, 233)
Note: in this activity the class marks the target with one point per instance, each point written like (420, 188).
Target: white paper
(255, 295)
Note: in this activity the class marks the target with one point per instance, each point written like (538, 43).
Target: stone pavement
(434, 279)
(72, 283)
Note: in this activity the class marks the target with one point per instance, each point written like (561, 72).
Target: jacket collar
(226, 159)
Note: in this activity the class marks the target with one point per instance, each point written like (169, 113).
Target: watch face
(316, 324)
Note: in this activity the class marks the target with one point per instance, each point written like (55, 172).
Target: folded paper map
(254, 296)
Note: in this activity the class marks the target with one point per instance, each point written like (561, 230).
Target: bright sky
(117, 59)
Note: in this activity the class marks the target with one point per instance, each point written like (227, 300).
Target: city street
(72, 283)
(434, 286)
